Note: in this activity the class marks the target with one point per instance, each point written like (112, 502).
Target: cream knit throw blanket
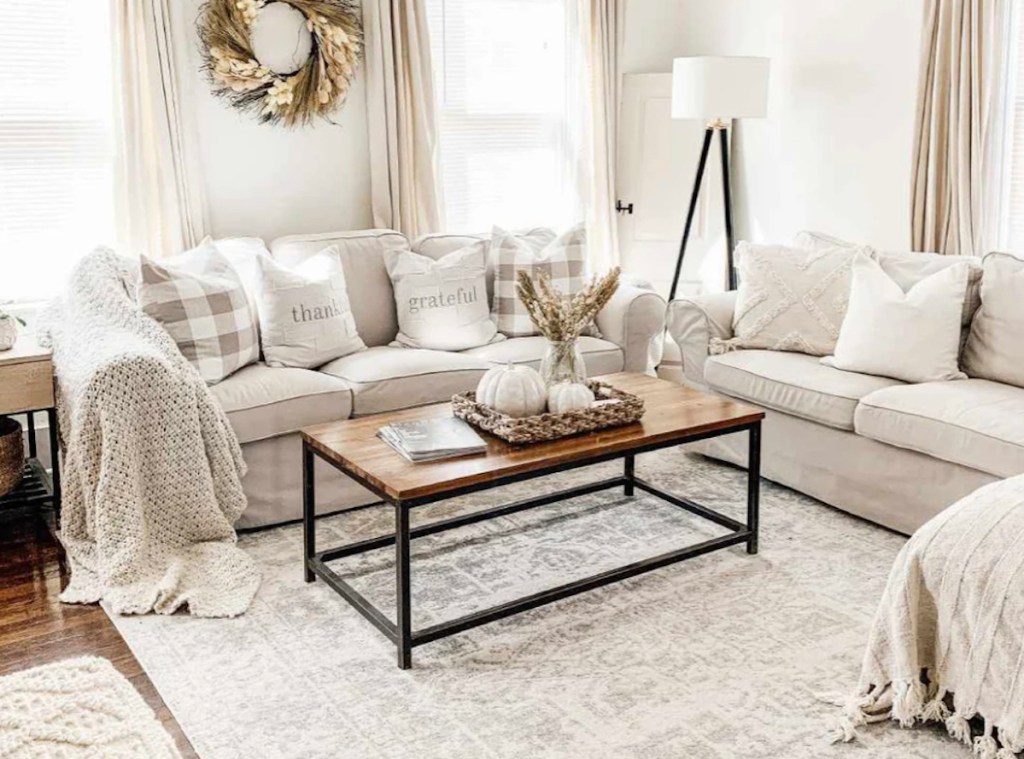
(953, 611)
(152, 470)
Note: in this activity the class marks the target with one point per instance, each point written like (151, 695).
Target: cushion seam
(788, 384)
(408, 376)
(939, 421)
(286, 400)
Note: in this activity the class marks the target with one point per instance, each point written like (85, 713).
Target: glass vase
(562, 362)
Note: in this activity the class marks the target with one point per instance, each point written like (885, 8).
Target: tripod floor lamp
(716, 90)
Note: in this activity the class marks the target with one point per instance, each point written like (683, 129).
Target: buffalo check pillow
(562, 260)
(199, 299)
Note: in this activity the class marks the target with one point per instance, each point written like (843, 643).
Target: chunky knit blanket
(947, 644)
(152, 470)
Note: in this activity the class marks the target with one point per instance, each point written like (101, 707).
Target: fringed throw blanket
(947, 644)
(152, 470)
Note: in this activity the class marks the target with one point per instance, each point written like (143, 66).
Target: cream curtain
(160, 205)
(401, 112)
(958, 142)
(600, 25)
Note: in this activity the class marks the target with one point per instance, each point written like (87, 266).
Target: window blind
(507, 112)
(1014, 229)
(56, 147)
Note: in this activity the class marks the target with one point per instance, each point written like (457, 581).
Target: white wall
(835, 151)
(269, 181)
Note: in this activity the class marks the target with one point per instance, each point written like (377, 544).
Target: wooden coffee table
(674, 415)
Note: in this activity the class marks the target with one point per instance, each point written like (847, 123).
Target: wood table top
(672, 413)
(26, 350)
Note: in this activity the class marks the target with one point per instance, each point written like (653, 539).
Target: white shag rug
(78, 709)
(716, 657)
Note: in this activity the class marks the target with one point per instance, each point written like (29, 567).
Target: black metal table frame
(401, 633)
(49, 482)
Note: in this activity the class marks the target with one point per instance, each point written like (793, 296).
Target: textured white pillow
(442, 304)
(995, 348)
(789, 299)
(305, 317)
(912, 336)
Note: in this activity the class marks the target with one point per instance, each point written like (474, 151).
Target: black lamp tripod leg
(693, 208)
(723, 141)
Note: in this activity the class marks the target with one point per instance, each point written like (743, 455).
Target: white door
(658, 158)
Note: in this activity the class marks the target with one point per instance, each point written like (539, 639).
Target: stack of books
(432, 439)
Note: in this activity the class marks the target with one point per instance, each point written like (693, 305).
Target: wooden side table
(26, 386)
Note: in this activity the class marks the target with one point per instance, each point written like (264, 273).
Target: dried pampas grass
(561, 317)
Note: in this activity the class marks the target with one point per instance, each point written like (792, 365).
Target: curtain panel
(402, 119)
(159, 198)
(961, 117)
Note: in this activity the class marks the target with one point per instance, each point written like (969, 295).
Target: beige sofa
(267, 406)
(891, 452)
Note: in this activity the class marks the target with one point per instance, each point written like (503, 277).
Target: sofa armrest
(694, 322)
(634, 319)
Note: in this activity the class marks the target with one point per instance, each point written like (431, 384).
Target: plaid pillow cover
(562, 260)
(205, 310)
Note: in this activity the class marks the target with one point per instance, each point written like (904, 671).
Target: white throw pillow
(790, 299)
(442, 304)
(305, 317)
(995, 347)
(912, 336)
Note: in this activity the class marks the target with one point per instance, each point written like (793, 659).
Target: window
(56, 146)
(504, 72)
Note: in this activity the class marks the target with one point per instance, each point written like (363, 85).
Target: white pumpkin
(567, 396)
(8, 332)
(514, 390)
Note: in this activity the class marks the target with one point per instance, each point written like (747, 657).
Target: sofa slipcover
(386, 378)
(600, 356)
(975, 423)
(263, 402)
(793, 383)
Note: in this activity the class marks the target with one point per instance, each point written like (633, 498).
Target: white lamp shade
(714, 87)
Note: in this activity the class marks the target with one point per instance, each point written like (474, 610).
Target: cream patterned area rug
(78, 709)
(712, 658)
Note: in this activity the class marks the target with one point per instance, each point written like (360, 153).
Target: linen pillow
(907, 268)
(199, 299)
(305, 316)
(562, 260)
(790, 299)
(912, 336)
(995, 348)
(442, 304)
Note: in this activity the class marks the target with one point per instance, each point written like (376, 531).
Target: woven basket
(535, 429)
(12, 454)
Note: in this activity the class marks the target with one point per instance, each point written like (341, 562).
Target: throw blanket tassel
(958, 728)
(985, 746)
(908, 701)
(936, 709)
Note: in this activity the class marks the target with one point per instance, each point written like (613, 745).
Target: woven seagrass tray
(627, 409)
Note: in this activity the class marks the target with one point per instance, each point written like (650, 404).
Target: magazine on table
(432, 439)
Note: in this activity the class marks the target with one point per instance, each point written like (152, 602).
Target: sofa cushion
(600, 356)
(362, 257)
(975, 423)
(793, 383)
(994, 348)
(385, 378)
(264, 402)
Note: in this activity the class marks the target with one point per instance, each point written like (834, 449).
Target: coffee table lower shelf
(400, 632)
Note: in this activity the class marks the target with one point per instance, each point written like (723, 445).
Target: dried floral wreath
(316, 89)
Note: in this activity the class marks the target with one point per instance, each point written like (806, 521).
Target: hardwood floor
(36, 628)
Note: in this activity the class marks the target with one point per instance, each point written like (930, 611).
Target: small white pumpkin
(567, 396)
(8, 332)
(514, 390)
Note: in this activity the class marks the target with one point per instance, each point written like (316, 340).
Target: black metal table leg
(30, 418)
(308, 511)
(51, 415)
(753, 486)
(628, 469)
(402, 575)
